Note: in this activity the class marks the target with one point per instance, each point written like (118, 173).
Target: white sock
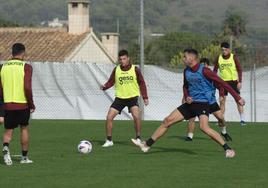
(223, 130)
(191, 135)
(242, 117)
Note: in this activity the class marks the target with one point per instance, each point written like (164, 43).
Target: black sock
(6, 144)
(109, 138)
(226, 147)
(24, 153)
(150, 142)
(138, 137)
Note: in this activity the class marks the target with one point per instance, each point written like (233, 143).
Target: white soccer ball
(84, 147)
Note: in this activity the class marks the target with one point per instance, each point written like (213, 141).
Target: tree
(234, 24)
(5, 23)
(210, 52)
(160, 51)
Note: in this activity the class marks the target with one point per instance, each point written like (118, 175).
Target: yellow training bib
(227, 68)
(126, 85)
(12, 78)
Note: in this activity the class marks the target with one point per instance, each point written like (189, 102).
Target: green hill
(160, 16)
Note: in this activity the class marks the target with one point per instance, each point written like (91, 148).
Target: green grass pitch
(171, 162)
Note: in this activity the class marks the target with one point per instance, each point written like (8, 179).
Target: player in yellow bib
(231, 72)
(16, 92)
(129, 83)
(2, 113)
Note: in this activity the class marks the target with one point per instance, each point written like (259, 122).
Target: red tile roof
(42, 44)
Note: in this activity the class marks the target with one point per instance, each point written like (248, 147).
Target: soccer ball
(84, 147)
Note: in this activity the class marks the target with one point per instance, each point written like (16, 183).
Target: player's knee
(204, 128)
(167, 122)
(109, 118)
(1, 120)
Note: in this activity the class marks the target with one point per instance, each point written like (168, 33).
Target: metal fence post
(142, 49)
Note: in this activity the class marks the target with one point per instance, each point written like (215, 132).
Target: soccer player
(198, 81)
(213, 109)
(2, 112)
(128, 82)
(231, 72)
(16, 92)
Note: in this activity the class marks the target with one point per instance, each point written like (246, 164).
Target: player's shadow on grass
(167, 150)
(171, 150)
(183, 138)
(101, 142)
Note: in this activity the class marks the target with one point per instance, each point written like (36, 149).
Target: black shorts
(14, 118)
(120, 104)
(214, 108)
(233, 85)
(2, 111)
(194, 109)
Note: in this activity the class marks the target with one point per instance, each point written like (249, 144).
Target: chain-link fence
(72, 91)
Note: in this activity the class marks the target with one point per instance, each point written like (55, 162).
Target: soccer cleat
(137, 141)
(142, 145)
(25, 160)
(242, 123)
(108, 143)
(229, 153)
(227, 137)
(7, 158)
(188, 139)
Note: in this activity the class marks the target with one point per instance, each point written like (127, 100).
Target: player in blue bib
(197, 90)
(213, 109)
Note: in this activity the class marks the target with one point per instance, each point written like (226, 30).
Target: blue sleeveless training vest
(200, 88)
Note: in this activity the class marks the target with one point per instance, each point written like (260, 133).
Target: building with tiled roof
(77, 43)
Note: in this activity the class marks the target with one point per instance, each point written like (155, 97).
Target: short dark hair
(123, 53)
(191, 51)
(204, 60)
(225, 45)
(17, 49)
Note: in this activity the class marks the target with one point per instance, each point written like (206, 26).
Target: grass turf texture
(171, 162)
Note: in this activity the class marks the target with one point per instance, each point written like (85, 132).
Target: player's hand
(221, 99)
(146, 102)
(183, 100)
(239, 85)
(32, 108)
(242, 102)
(189, 100)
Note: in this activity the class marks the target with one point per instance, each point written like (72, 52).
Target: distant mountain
(157, 11)
(161, 16)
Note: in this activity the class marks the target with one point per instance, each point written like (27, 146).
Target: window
(85, 5)
(107, 37)
(74, 5)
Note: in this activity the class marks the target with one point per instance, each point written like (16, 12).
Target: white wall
(71, 91)
(89, 50)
